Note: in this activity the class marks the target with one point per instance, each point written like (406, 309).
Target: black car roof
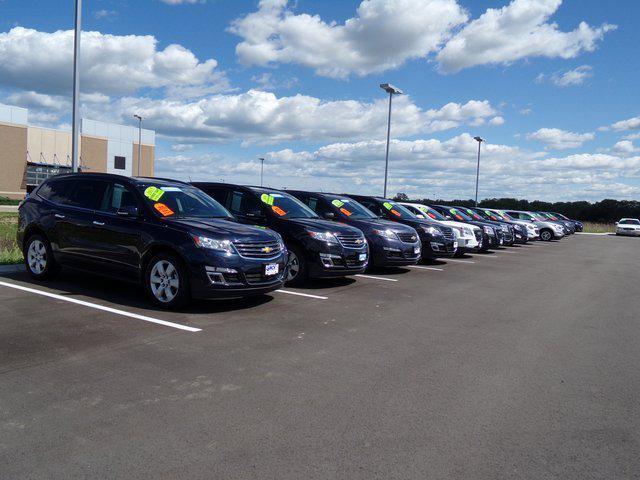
(235, 185)
(122, 178)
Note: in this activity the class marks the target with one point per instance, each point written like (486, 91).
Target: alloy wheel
(37, 257)
(293, 265)
(164, 281)
(546, 236)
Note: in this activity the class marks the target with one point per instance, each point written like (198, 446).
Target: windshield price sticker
(337, 203)
(396, 213)
(388, 206)
(278, 210)
(163, 209)
(346, 212)
(431, 215)
(266, 198)
(153, 193)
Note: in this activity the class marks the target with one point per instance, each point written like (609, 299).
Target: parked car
(576, 223)
(437, 240)
(317, 248)
(532, 230)
(569, 227)
(390, 243)
(493, 235)
(169, 236)
(469, 236)
(548, 230)
(519, 230)
(508, 235)
(628, 226)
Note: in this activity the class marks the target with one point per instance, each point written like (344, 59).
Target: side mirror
(128, 211)
(330, 216)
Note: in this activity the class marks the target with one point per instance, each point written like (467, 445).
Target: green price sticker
(388, 205)
(266, 198)
(337, 203)
(153, 193)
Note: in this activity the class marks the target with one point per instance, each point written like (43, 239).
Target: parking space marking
(377, 278)
(101, 307)
(427, 268)
(458, 261)
(303, 294)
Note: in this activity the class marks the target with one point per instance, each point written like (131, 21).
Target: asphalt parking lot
(517, 364)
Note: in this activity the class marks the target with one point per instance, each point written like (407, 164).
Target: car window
(244, 203)
(373, 206)
(217, 193)
(432, 213)
(55, 190)
(347, 207)
(321, 206)
(629, 221)
(117, 197)
(283, 205)
(181, 201)
(86, 193)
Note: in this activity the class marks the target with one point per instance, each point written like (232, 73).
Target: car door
(74, 234)
(118, 226)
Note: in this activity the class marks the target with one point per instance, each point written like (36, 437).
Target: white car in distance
(628, 226)
(468, 239)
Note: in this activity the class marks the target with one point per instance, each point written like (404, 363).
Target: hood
(322, 225)
(230, 230)
(381, 224)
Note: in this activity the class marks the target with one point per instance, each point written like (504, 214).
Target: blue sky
(550, 84)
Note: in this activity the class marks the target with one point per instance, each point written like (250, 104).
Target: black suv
(519, 231)
(437, 240)
(390, 243)
(494, 236)
(317, 248)
(165, 234)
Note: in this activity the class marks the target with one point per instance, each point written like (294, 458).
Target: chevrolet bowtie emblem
(267, 250)
(359, 241)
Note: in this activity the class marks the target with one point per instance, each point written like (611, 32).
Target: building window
(119, 163)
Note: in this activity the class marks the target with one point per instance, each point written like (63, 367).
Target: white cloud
(624, 148)
(181, 147)
(111, 64)
(568, 78)
(516, 31)
(558, 139)
(496, 121)
(382, 35)
(105, 14)
(629, 124)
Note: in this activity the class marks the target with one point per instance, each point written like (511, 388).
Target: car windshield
(496, 216)
(431, 213)
(350, 207)
(397, 210)
(472, 214)
(540, 218)
(283, 205)
(181, 201)
(629, 221)
(459, 215)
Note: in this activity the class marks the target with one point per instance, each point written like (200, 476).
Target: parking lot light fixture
(391, 90)
(479, 140)
(75, 136)
(261, 170)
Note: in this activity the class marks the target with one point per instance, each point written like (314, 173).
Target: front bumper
(338, 261)
(389, 253)
(439, 247)
(628, 232)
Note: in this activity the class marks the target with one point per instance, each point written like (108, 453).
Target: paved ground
(521, 365)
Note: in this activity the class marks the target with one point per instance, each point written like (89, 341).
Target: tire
(38, 258)
(459, 253)
(166, 282)
(297, 269)
(546, 235)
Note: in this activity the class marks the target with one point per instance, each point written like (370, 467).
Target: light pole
(75, 140)
(139, 141)
(479, 140)
(391, 90)
(261, 170)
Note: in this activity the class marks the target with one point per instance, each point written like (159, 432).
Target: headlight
(488, 230)
(212, 244)
(432, 231)
(558, 228)
(504, 228)
(390, 234)
(468, 232)
(326, 237)
(531, 226)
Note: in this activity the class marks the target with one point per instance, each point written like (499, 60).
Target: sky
(551, 85)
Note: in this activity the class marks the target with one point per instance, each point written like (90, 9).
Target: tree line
(605, 211)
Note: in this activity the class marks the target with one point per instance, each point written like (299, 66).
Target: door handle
(98, 223)
(59, 215)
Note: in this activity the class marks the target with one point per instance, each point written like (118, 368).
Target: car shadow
(324, 283)
(387, 270)
(432, 262)
(73, 283)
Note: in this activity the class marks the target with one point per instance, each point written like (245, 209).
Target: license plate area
(271, 269)
(362, 257)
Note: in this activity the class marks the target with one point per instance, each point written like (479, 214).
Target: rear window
(86, 193)
(55, 190)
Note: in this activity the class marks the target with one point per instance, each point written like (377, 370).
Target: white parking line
(459, 261)
(303, 294)
(427, 268)
(101, 307)
(377, 278)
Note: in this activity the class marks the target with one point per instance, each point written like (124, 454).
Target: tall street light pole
(479, 140)
(139, 141)
(391, 90)
(261, 170)
(75, 141)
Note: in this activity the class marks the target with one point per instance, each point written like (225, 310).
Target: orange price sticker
(431, 215)
(278, 210)
(163, 209)
(396, 213)
(345, 211)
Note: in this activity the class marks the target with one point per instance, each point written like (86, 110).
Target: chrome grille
(351, 241)
(408, 237)
(258, 249)
(447, 232)
(478, 234)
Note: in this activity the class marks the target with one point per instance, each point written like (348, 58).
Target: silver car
(548, 230)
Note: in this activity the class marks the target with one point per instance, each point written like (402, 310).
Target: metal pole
(75, 141)
(386, 162)
(139, 143)
(478, 171)
(261, 170)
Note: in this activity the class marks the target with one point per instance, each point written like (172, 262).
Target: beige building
(29, 155)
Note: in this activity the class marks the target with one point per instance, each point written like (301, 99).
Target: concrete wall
(93, 153)
(145, 168)
(13, 148)
(45, 145)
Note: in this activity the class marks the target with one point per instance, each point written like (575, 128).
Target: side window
(55, 191)
(322, 207)
(245, 204)
(218, 194)
(374, 207)
(87, 193)
(117, 197)
(312, 203)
